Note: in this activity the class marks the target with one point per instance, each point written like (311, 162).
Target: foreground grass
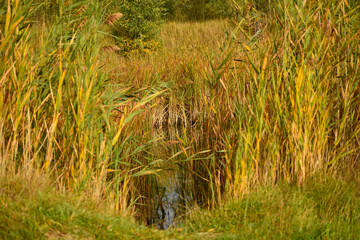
(321, 209)
(30, 211)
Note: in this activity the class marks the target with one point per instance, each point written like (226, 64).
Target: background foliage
(194, 10)
(137, 30)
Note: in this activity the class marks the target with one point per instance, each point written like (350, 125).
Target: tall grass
(275, 100)
(60, 114)
(271, 98)
(290, 107)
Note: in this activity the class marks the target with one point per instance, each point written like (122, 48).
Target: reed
(59, 112)
(294, 98)
(282, 102)
(265, 100)
(275, 100)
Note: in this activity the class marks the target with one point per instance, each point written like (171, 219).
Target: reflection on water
(173, 187)
(172, 198)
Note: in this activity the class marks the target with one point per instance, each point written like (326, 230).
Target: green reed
(279, 101)
(60, 114)
(289, 108)
(276, 100)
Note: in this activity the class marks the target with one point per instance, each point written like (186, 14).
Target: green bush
(137, 30)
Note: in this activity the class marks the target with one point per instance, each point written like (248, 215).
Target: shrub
(137, 29)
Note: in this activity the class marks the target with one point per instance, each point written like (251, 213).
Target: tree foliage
(137, 30)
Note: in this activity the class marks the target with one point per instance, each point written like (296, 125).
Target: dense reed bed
(264, 98)
(60, 114)
(289, 108)
(260, 99)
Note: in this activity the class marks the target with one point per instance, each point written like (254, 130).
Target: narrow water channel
(173, 198)
(173, 187)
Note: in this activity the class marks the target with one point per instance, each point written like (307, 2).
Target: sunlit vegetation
(257, 102)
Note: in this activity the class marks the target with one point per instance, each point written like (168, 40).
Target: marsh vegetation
(249, 111)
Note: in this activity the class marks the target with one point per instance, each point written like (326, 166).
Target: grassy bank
(33, 209)
(321, 209)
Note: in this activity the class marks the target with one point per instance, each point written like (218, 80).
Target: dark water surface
(173, 194)
(173, 198)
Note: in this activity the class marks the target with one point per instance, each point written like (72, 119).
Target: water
(173, 187)
(173, 198)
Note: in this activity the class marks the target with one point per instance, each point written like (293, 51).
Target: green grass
(36, 211)
(327, 209)
(321, 209)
